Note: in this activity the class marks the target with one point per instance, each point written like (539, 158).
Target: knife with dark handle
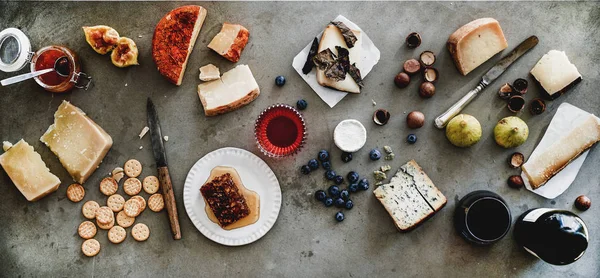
(160, 155)
(488, 78)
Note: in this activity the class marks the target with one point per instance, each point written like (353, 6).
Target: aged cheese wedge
(235, 89)
(28, 172)
(78, 142)
(209, 73)
(555, 73)
(564, 150)
(475, 43)
(331, 38)
(230, 42)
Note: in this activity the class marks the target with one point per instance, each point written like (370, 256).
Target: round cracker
(89, 209)
(87, 230)
(109, 186)
(132, 186)
(90, 247)
(151, 184)
(115, 202)
(75, 192)
(117, 234)
(156, 202)
(123, 220)
(140, 232)
(142, 202)
(133, 168)
(132, 208)
(104, 215)
(106, 226)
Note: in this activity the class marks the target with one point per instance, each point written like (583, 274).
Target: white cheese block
(331, 38)
(209, 72)
(564, 150)
(555, 72)
(230, 41)
(476, 42)
(235, 89)
(424, 185)
(78, 142)
(27, 171)
(350, 135)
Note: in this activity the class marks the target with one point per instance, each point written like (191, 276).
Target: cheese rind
(476, 42)
(230, 41)
(332, 37)
(79, 143)
(28, 171)
(235, 89)
(555, 73)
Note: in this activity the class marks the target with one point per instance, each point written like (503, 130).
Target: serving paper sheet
(563, 121)
(369, 58)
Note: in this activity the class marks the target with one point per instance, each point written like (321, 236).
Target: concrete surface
(40, 239)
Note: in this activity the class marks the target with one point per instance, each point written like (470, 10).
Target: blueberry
(339, 216)
(280, 80)
(323, 155)
(353, 187)
(411, 138)
(320, 195)
(363, 184)
(346, 157)
(305, 169)
(339, 203)
(328, 202)
(301, 104)
(326, 165)
(349, 204)
(334, 191)
(352, 177)
(375, 154)
(313, 164)
(330, 175)
(338, 179)
(344, 194)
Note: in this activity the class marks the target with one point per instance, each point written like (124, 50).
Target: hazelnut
(413, 40)
(412, 66)
(583, 203)
(516, 104)
(537, 106)
(506, 91)
(426, 90)
(415, 119)
(381, 117)
(430, 74)
(515, 181)
(427, 58)
(516, 160)
(402, 80)
(520, 86)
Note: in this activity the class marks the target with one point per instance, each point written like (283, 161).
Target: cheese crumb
(373, 101)
(125, 84)
(6, 145)
(385, 168)
(166, 138)
(141, 147)
(143, 132)
(139, 36)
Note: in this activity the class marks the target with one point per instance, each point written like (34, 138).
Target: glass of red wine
(280, 131)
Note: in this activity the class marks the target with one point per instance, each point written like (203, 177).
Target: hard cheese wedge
(555, 73)
(209, 73)
(230, 42)
(78, 142)
(476, 42)
(27, 171)
(235, 89)
(331, 38)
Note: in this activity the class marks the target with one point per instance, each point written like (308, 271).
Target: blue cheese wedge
(555, 73)
(430, 193)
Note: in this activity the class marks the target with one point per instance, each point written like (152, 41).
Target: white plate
(256, 176)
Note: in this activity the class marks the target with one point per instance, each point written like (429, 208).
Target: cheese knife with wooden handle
(160, 155)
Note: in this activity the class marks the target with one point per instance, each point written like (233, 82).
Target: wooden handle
(167, 189)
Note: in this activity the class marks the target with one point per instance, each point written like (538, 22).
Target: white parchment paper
(369, 58)
(563, 121)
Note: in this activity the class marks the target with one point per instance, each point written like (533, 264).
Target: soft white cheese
(350, 135)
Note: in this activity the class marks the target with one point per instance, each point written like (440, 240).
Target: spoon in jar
(61, 66)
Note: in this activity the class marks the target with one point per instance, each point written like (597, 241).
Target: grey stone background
(40, 239)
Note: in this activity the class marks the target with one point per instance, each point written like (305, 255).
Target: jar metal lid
(15, 50)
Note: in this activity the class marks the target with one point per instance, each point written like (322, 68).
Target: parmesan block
(475, 43)
(209, 73)
(27, 171)
(230, 42)
(235, 89)
(555, 73)
(332, 37)
(78, 142)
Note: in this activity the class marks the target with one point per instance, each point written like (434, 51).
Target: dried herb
(343, 57)
(336, 72)
(311, 54)
(348, 35)
(355, 73)
(324, 59)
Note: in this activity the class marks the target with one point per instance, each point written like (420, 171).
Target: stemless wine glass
(280, 131)
(482, 217)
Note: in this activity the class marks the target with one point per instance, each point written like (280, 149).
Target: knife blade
(160, 155)
(487, 79)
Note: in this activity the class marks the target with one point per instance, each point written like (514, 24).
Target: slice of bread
(331, 38)
(235, 89)
(564, 150)
(230, 41)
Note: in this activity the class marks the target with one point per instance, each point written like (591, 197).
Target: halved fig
(101, 38)
(125, 53)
